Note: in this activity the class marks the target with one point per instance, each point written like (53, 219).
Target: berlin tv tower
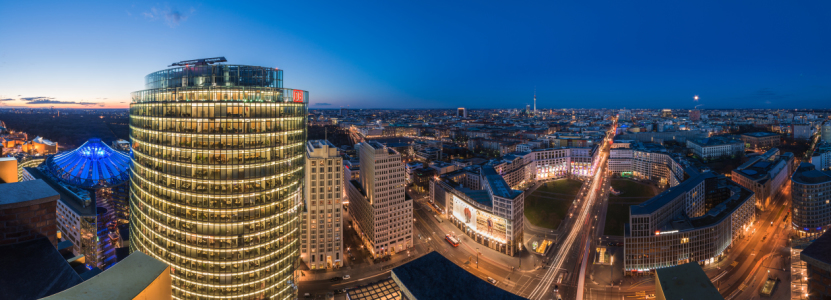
(535, 99)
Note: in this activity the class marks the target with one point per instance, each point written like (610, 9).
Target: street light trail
(548, 278)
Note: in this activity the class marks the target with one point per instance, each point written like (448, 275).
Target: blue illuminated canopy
(93, 165)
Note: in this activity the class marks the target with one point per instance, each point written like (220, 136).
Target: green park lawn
(547, 206)
(617, 214)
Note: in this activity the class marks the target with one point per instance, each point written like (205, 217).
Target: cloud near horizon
(323, 103)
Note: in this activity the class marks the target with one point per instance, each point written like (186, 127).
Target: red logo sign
(298, 96)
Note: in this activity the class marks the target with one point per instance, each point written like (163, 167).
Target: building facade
(765, 175)
(695, 221)
(811, 196)
(321, 239)
(379, 205)
(711, 148)
(218, 162)
(760, 141)
(490, 213)
(817, 262)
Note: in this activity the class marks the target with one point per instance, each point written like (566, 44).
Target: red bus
(452, 240)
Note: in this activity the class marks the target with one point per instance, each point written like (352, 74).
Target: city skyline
(599, 55)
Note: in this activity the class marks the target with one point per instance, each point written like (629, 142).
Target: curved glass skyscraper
(217, 177)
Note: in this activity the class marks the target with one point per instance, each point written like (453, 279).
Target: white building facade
(321, 241)
(378, 204)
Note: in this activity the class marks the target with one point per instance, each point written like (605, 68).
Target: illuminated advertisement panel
(480, 221)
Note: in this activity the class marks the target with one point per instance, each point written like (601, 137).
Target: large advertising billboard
(480, 221)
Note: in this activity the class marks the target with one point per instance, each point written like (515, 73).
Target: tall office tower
(343, 112)
(527, 108)
(825, 132)
(321, 230)
(809, 193)
(379, 204)
(666, 113)
(217, 178)
(461, 112)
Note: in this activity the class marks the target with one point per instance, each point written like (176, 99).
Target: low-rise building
(700, 218)
(760, 141)
(821, 156)
(715, 147)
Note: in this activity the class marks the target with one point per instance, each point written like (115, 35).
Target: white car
(492, 281)
(346, 277)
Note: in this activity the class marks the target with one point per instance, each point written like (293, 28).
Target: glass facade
(218, 164)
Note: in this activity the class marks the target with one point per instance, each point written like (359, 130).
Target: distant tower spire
(535, 99)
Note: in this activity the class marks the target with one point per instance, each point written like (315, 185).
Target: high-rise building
(811, 200)
(321, 232)
(666, 113)
(218, 162)
(461, 112)
(378, 204)
(344, 112)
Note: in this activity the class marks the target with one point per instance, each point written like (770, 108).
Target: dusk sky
(422, 54)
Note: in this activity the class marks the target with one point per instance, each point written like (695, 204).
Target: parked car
(335, 279)
(346, 276)
(492, 281)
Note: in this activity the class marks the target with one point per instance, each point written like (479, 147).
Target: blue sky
(433, 54)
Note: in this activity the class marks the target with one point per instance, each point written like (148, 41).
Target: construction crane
(199, 62)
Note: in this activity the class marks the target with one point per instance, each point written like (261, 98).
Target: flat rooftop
(123, 281)
(663, 198)
(819, 251)
(687, 281)
(26, 193)
(70, 199)
(33, 270)
(498, 184)
(807, 173)
(434, 277)
(716, 141)
(759, 134)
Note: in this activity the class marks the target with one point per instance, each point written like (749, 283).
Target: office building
(817, 260)
(765, 175)
(461, 112)
(321, 240)
(802, 131)
(666, 113)
(811, 200)
(825, 131)
(701, 217)
(378, 204)
(218, 162)
(488, 211)
(760, 141)
(716, 147)
(92, 181)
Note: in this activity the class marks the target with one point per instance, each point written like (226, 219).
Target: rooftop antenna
(199, 62)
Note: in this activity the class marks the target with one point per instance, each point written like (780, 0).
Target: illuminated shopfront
(218, 164)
